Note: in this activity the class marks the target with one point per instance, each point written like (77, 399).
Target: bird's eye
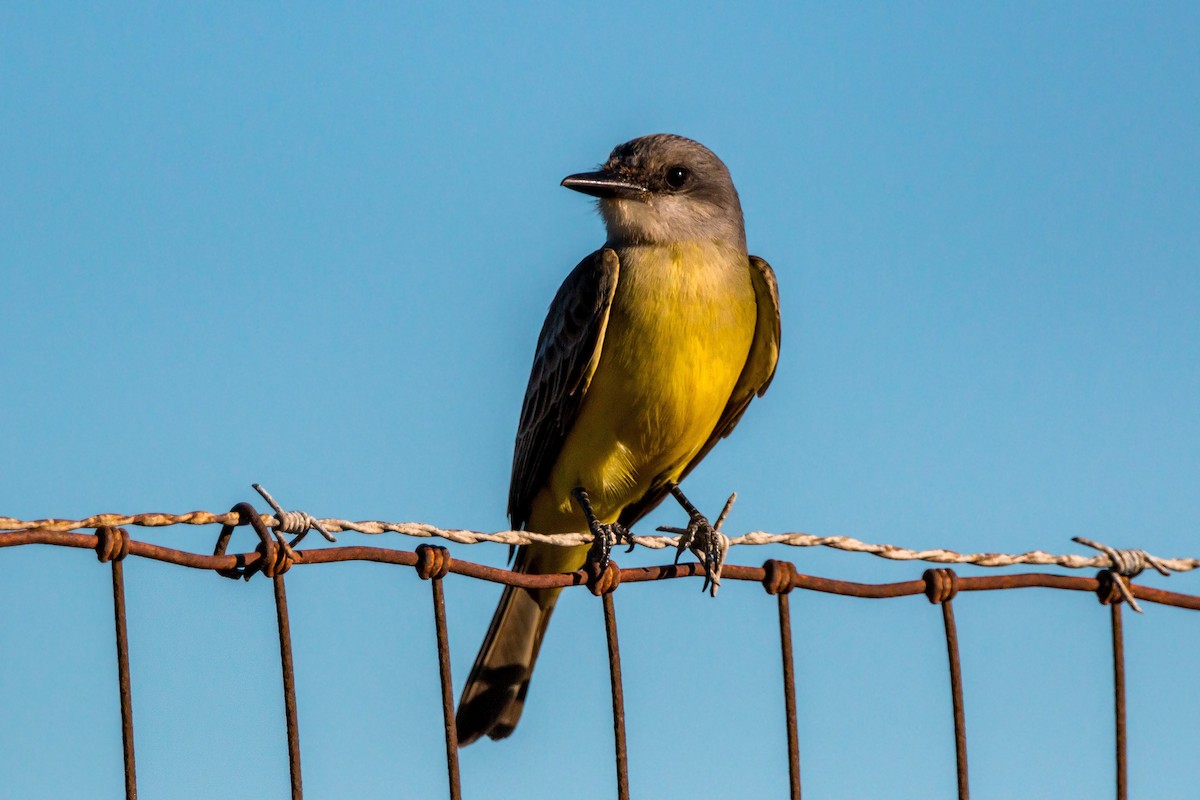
(677, 177)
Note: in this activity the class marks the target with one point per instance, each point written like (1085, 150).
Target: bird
(651, 351)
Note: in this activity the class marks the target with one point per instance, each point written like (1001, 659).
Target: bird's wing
(755, 378)
(568, 351)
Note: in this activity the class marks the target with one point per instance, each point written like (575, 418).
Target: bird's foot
(606, 535)
(703, 538)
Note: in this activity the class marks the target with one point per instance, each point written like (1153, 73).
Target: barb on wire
(1126, 564)
(297, 522)
(1129, 562)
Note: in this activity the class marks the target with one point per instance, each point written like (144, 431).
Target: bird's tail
(494, 695)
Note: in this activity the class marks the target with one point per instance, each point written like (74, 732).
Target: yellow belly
(678, 335)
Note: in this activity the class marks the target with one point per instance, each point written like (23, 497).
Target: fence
(275, 555)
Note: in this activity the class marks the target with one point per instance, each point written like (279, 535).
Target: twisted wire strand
(1108, 558)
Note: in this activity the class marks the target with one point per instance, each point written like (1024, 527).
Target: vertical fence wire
(779, 578)
(1111, 591)
(289, 687)
(956, 692)
(618, 697)
(118, 584)
(443, 647)
(112, 545)
(789, 696)
(433, 563)
(1118, 648)
(941, 586)
(604, 584)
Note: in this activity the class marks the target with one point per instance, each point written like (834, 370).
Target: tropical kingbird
(651, 351)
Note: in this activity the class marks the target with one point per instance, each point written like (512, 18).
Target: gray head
(664, 188)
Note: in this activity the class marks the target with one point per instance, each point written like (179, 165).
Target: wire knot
(603, 582)
(1123, 565)
(941, 585)
(293, 522)
(1130, 562)
(432, 562)
(276, 560)
(276, 556)
(779, 576)
(1110, 588)
(112, 544)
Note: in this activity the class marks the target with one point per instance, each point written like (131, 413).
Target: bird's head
(661, 189)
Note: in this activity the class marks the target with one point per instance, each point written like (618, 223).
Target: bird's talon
(685, 540)
(605, 538)
(704, 539)
(714, 552)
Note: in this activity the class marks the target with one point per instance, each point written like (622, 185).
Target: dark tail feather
(494, 695)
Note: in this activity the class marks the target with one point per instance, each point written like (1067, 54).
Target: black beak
(603, 184)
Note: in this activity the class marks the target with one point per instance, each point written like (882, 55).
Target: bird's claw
(709, 546)
(704, 539)
(605, 537)
(688, 536)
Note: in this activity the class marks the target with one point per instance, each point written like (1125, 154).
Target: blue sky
(313, 248)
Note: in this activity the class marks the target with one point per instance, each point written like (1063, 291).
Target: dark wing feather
(755, 378)
(567, 353)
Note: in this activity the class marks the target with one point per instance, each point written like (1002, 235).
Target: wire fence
(275, 555)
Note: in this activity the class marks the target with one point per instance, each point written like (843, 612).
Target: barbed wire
(1107, 558)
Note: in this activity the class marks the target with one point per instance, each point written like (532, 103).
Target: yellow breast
(678, 334)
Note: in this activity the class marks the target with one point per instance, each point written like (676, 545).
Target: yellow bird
(651, 351)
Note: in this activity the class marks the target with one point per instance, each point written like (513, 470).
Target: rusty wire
(940, 587)
(1129, 562)
(1111, 592)
(778, 579)
(274, 556)
(603, 584)
(112, 545)
(433, 563)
